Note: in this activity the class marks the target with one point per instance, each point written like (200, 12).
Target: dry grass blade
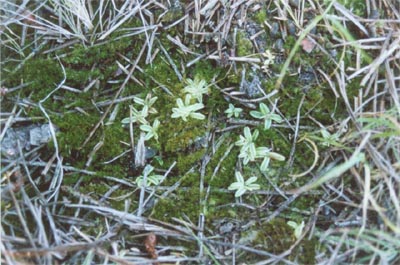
(125, 17)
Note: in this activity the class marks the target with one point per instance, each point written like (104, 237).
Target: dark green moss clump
(277, 237)
(184, 202)
(42, 74)
(244, 45)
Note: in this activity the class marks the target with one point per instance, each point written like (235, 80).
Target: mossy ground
(83, 64)
(277, 237)
(75, 113)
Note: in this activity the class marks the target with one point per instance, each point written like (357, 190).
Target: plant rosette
(241, 186)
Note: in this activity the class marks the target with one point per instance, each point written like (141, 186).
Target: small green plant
(151, 131)
(269, 60)
(249, 152)
(298, 228)
(140, 116)
(233, 111)
(137, 116)
(266, 115)
(266, 154)
(248, 147)
(148, 102)
(150, 179)
(328, 138)
(196, 88)
(242, 186)
(185, 109)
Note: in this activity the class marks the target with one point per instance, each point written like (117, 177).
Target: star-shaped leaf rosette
(185, 109)
(241, 186)
(266, 115)
(196, 88)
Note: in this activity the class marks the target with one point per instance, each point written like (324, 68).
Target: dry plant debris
(150, 244)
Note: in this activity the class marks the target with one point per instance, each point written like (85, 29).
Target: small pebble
(275, 29)
(291, 28)
(294, 3)
(307, 76)
(278, 45)
(374, 14)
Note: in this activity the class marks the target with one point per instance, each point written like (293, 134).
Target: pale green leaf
(256, 114)
(276, 156)
(198, 116)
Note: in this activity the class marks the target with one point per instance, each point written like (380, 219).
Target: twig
(24, 225)
(127, 16)
(296, 134)
(171, 62)
(57, 178)
(316, 157)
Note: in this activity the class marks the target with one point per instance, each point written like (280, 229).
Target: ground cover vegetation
(200, 132)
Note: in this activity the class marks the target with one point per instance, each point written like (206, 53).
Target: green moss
(244, 45)
(226, 173)
(186, 160)
(178, 135)
(74, 128)
(113, 135)
(78, 78)
(289, 43)
(206, 70)
(42, 74)
(97, 189)
(96, 62)
(303, 203)
(357, 7)
(277, 237)
(161, 71)
(260, 16)
(172, 15)
(185, 202)
(82, 64)
(216, 103)
(100, 55)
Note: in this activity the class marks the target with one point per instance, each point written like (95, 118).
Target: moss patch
(276, 237)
